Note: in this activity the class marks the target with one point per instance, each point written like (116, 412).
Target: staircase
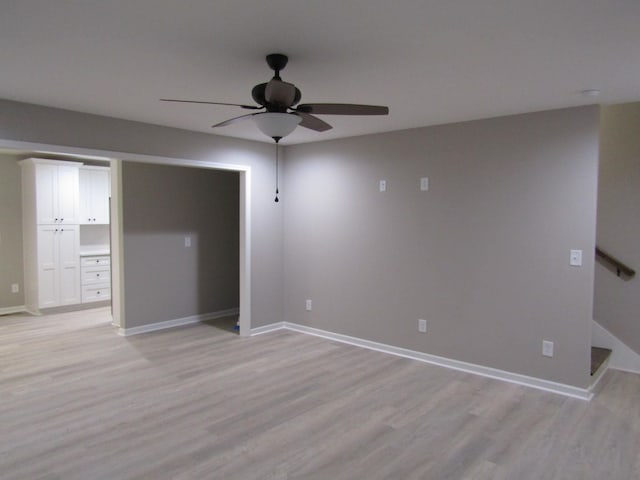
(599, 357)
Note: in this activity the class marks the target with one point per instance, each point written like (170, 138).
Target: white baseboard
(152, 327)
(511, 377)
(272, 327)
(622, 357)
(12, 310)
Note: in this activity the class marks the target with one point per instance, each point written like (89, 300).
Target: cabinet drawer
(94, 275)
(96, 260)
(95, 293)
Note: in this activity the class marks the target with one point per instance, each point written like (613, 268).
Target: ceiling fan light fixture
(276, 124)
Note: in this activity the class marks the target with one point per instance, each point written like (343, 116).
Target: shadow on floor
(225, 323)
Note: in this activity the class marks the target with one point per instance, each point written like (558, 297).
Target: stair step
(598, 357)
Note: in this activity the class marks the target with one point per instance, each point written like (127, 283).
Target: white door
(68, 195)
(85, 196)
(46, 196)
(48, 266)
(69, 264)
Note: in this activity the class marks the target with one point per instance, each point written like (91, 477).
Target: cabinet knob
(62, 229)
(56, 229)
(97, 274)
(98, 292)
(94, 219)
(97, 261)
(55, 219)
(62, 219)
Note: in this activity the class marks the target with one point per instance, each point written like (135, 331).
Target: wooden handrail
(617, 264)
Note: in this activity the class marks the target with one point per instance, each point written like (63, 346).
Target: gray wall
(165, 204)
(617, 301)
(483, 255)
(11, 270)
(32, 123)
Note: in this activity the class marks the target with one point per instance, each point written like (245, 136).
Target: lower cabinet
(58, 265)
(96, 278)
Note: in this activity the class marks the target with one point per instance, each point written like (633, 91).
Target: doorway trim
(117, 260)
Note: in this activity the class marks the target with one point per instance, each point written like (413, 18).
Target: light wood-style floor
(198, 402)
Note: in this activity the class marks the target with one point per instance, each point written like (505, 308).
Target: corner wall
(167, 280)
(483, 255)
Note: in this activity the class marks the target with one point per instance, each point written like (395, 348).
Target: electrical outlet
(308, 305)
(383, 185)
(547, 348)
(15, 288)
(187, 241)
(424, 184)
(422, 325)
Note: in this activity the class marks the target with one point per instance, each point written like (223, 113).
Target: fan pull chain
(277, 139)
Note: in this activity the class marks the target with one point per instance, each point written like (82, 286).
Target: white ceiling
(430, 61)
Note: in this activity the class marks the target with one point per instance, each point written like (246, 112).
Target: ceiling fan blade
(342, 109)
(249, 107)
(280, 93)
(233, 120)
(313, 123)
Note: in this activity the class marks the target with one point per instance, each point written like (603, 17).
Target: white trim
(12, 310)
(622, 356)
(272, 327)
(177, 322)
(511, 377)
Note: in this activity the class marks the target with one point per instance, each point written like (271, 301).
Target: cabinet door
(100, 191)
(68, 211)
(84, 200)
(46, 194)
(69, 261)
(48, 271)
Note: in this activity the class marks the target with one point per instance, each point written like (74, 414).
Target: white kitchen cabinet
(58, 260)
(95, 187)
(56, 191)
(96, 278)
(51, 233)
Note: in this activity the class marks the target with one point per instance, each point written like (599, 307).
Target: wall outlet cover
(15, 288)
(547, 348)
(308, 305)
(422, 325)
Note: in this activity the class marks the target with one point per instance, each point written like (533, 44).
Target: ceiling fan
(281, 112)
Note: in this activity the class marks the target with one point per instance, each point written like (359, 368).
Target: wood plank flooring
(199, 402)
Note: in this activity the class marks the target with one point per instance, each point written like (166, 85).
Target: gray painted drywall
(11, 270)
(165, 204)
(483, 255)
(617, 301)
(38, 124)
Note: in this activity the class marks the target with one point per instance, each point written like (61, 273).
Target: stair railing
(620, 267)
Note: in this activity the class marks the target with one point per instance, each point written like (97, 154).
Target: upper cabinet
(56, 192)
(94, 195)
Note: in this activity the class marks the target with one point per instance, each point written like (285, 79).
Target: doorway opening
(123, 317)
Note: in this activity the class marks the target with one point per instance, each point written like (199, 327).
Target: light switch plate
(575, 258)
(547, 348)
(308, 305)
(424, 184)
(187, 241)
(422, 325)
